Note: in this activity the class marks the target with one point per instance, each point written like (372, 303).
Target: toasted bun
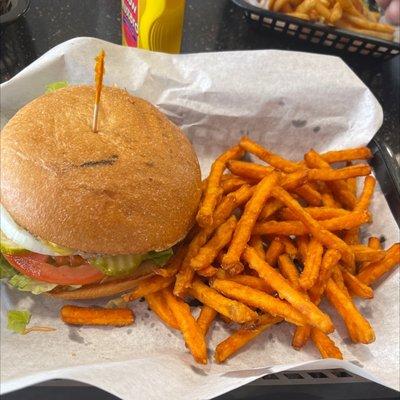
(132, 187)
(107, 288)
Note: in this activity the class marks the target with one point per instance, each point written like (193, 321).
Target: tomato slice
(38, 266)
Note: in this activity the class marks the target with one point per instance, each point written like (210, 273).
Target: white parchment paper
(286, 100)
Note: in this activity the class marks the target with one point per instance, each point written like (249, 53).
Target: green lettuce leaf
(26, 284)
(17, 320)
(52, 87)
(6, 270)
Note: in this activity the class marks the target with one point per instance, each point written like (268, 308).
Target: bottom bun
(106, 288)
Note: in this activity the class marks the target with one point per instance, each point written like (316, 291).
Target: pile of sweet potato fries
(271, 241)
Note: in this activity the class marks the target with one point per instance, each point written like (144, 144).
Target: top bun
(132, 187)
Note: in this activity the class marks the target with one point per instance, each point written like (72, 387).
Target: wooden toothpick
(98, 76)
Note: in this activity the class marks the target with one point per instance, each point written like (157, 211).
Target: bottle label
(130, 23)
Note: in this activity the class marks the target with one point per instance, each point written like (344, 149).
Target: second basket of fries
(341, 25)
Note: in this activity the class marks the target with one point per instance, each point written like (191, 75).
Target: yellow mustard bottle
(153, 24)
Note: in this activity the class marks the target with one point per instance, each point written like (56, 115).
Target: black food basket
(319, 34)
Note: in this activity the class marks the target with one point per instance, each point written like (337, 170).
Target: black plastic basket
(320, 34)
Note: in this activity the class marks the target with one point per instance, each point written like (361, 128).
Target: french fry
(314, 315)
(213, 190)
(74, 315)
(318, 213)
(271, 207)
(306, 6)
(279, 5)
(325, 345)
(329, 261)
(325, 174)
(324, 236)
(347, 25)
(322, 10)
(363, 23)
(208, 271)
(257, 243)
(336, 13)
(275, 249)
(231, 309)
(206, 318)
(297, 14)
(210, 250)
(357, 287)
(241, 236)
(348, 6)
(376, 270)
(242, 337)
(248, 169)
(247, 280)
(191, 332)
(360, 153)
(365, 253)
(312, 264)
(270, 158)
(157, 303)
(359, 329)
(339, 188)
(263, 301)
(148, 285)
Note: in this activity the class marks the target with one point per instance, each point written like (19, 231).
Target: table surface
(210, 25)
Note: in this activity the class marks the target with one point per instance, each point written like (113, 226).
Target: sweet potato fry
(294, 180)
(208, 271)
(322, 234)
(191, 331)
(241, 236)
(359, 329)
(249, 170)
(263, 301)
(326, 174)
(243, 336)
(232, 184)
(148, 285)
(302, 246)
(213, 190)
(312, 264)
(361, 153)
(310, 195)
(247, 280)
(325, 345)
(357, 287)
(374, 244)
(157, 303)
(257, 243)
(174, 263)
(318, 213)
(365, 253)
(329, 261)
(231, 309)
(289, 271)
(301, 336)
(210, 250)
(275, 249)
(337, 277)
(289, 247)
(339, 188)
(206, 318)
(74, 315)
(271, 206)
(376, 270)
(314, 315)
(270, 158)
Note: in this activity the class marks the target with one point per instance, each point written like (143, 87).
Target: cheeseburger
(84, 214)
